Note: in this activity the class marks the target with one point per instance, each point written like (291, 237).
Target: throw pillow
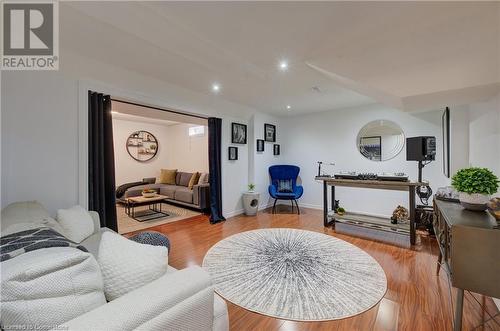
(185, 178)
(204, 178)
(47, 287)
(127, 265)
(76, 222)
(168, 176)
(285, 186)
(194, 180)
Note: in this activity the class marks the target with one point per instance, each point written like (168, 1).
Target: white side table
(251, 203)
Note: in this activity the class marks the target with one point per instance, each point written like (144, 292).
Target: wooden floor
(416, 298)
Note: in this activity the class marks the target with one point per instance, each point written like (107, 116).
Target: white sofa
(179, 300)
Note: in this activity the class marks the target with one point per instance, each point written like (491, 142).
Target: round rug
(295, 274)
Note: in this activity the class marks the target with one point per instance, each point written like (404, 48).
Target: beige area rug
(128, 224)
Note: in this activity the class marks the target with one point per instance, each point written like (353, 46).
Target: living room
(148, 143)
(295, 99)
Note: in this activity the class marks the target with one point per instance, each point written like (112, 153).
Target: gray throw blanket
(22, 242)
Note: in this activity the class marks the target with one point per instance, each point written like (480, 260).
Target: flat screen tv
(445, 128)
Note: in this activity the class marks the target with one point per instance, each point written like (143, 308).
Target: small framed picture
(260, 145)
(238, 133)
(276, 149)
(233, 153)
(270, 132)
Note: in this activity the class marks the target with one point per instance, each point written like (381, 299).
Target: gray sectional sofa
(198, 197)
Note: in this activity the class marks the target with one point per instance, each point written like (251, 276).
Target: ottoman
(152, 238)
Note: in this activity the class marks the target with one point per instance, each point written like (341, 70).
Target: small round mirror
(380, 140)
(142, 146)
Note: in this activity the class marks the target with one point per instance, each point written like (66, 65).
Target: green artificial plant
(251, 187)
(475, 180)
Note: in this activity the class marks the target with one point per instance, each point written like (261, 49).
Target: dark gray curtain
(101, 160)
(214, 162)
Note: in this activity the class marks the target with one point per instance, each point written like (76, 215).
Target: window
(196, 131)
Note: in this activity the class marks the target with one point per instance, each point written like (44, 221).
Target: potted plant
(340, 211)
(475, 185)
(251, 200)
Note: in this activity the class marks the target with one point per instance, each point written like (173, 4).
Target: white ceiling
(408, 55)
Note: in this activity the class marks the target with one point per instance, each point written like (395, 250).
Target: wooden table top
(454, 214)
(380, 184)
(141, 199)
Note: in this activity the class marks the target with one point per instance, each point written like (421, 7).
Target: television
(445, 130)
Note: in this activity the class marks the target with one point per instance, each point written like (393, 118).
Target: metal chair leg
(274, 206)
(298, 209)
(292, 205)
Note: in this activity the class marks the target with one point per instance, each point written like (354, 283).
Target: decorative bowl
(494, 208)
(474, 201)
(149, 193)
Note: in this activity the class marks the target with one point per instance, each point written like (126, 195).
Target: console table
(370, 184)
(469, 244)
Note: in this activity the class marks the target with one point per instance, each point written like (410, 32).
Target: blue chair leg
(298, 209)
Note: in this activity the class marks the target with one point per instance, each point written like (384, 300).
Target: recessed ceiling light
(215, 87)
(283, 65)
(288, 107)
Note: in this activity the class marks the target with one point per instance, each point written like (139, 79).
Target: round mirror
(142, 146)
(380, 140)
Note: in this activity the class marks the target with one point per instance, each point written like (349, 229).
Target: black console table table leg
(413, 236)
(325, 203)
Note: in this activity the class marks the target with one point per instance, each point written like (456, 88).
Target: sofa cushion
(168, 190)
(167, 176)
(185, 178)
(184, 194)
(178, 178)
(47, 287)
(127, 265)
(76, 222)
(92, 242)
(27, 215)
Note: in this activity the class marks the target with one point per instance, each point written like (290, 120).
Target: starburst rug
(295, 274)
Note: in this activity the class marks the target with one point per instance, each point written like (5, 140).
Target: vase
(251, 203)
(473, 201)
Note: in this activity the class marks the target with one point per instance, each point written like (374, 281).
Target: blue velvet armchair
(284, 184)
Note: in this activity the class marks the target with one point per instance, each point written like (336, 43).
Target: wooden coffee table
(154, 207)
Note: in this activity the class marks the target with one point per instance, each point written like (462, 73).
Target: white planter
(251, 203)
(474, 201)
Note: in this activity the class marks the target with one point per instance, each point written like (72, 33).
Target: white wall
(259, 174)
(39, 138)
(331, 137)
(484, 134)
(187, 153)
(126, 168)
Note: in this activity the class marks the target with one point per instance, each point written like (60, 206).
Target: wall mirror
(380, 140)
(142, 146)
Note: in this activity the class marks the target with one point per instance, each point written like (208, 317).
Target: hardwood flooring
(416, 299)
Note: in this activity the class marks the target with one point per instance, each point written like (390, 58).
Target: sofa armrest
(97, 221)
(201, 195)
(182, 300)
